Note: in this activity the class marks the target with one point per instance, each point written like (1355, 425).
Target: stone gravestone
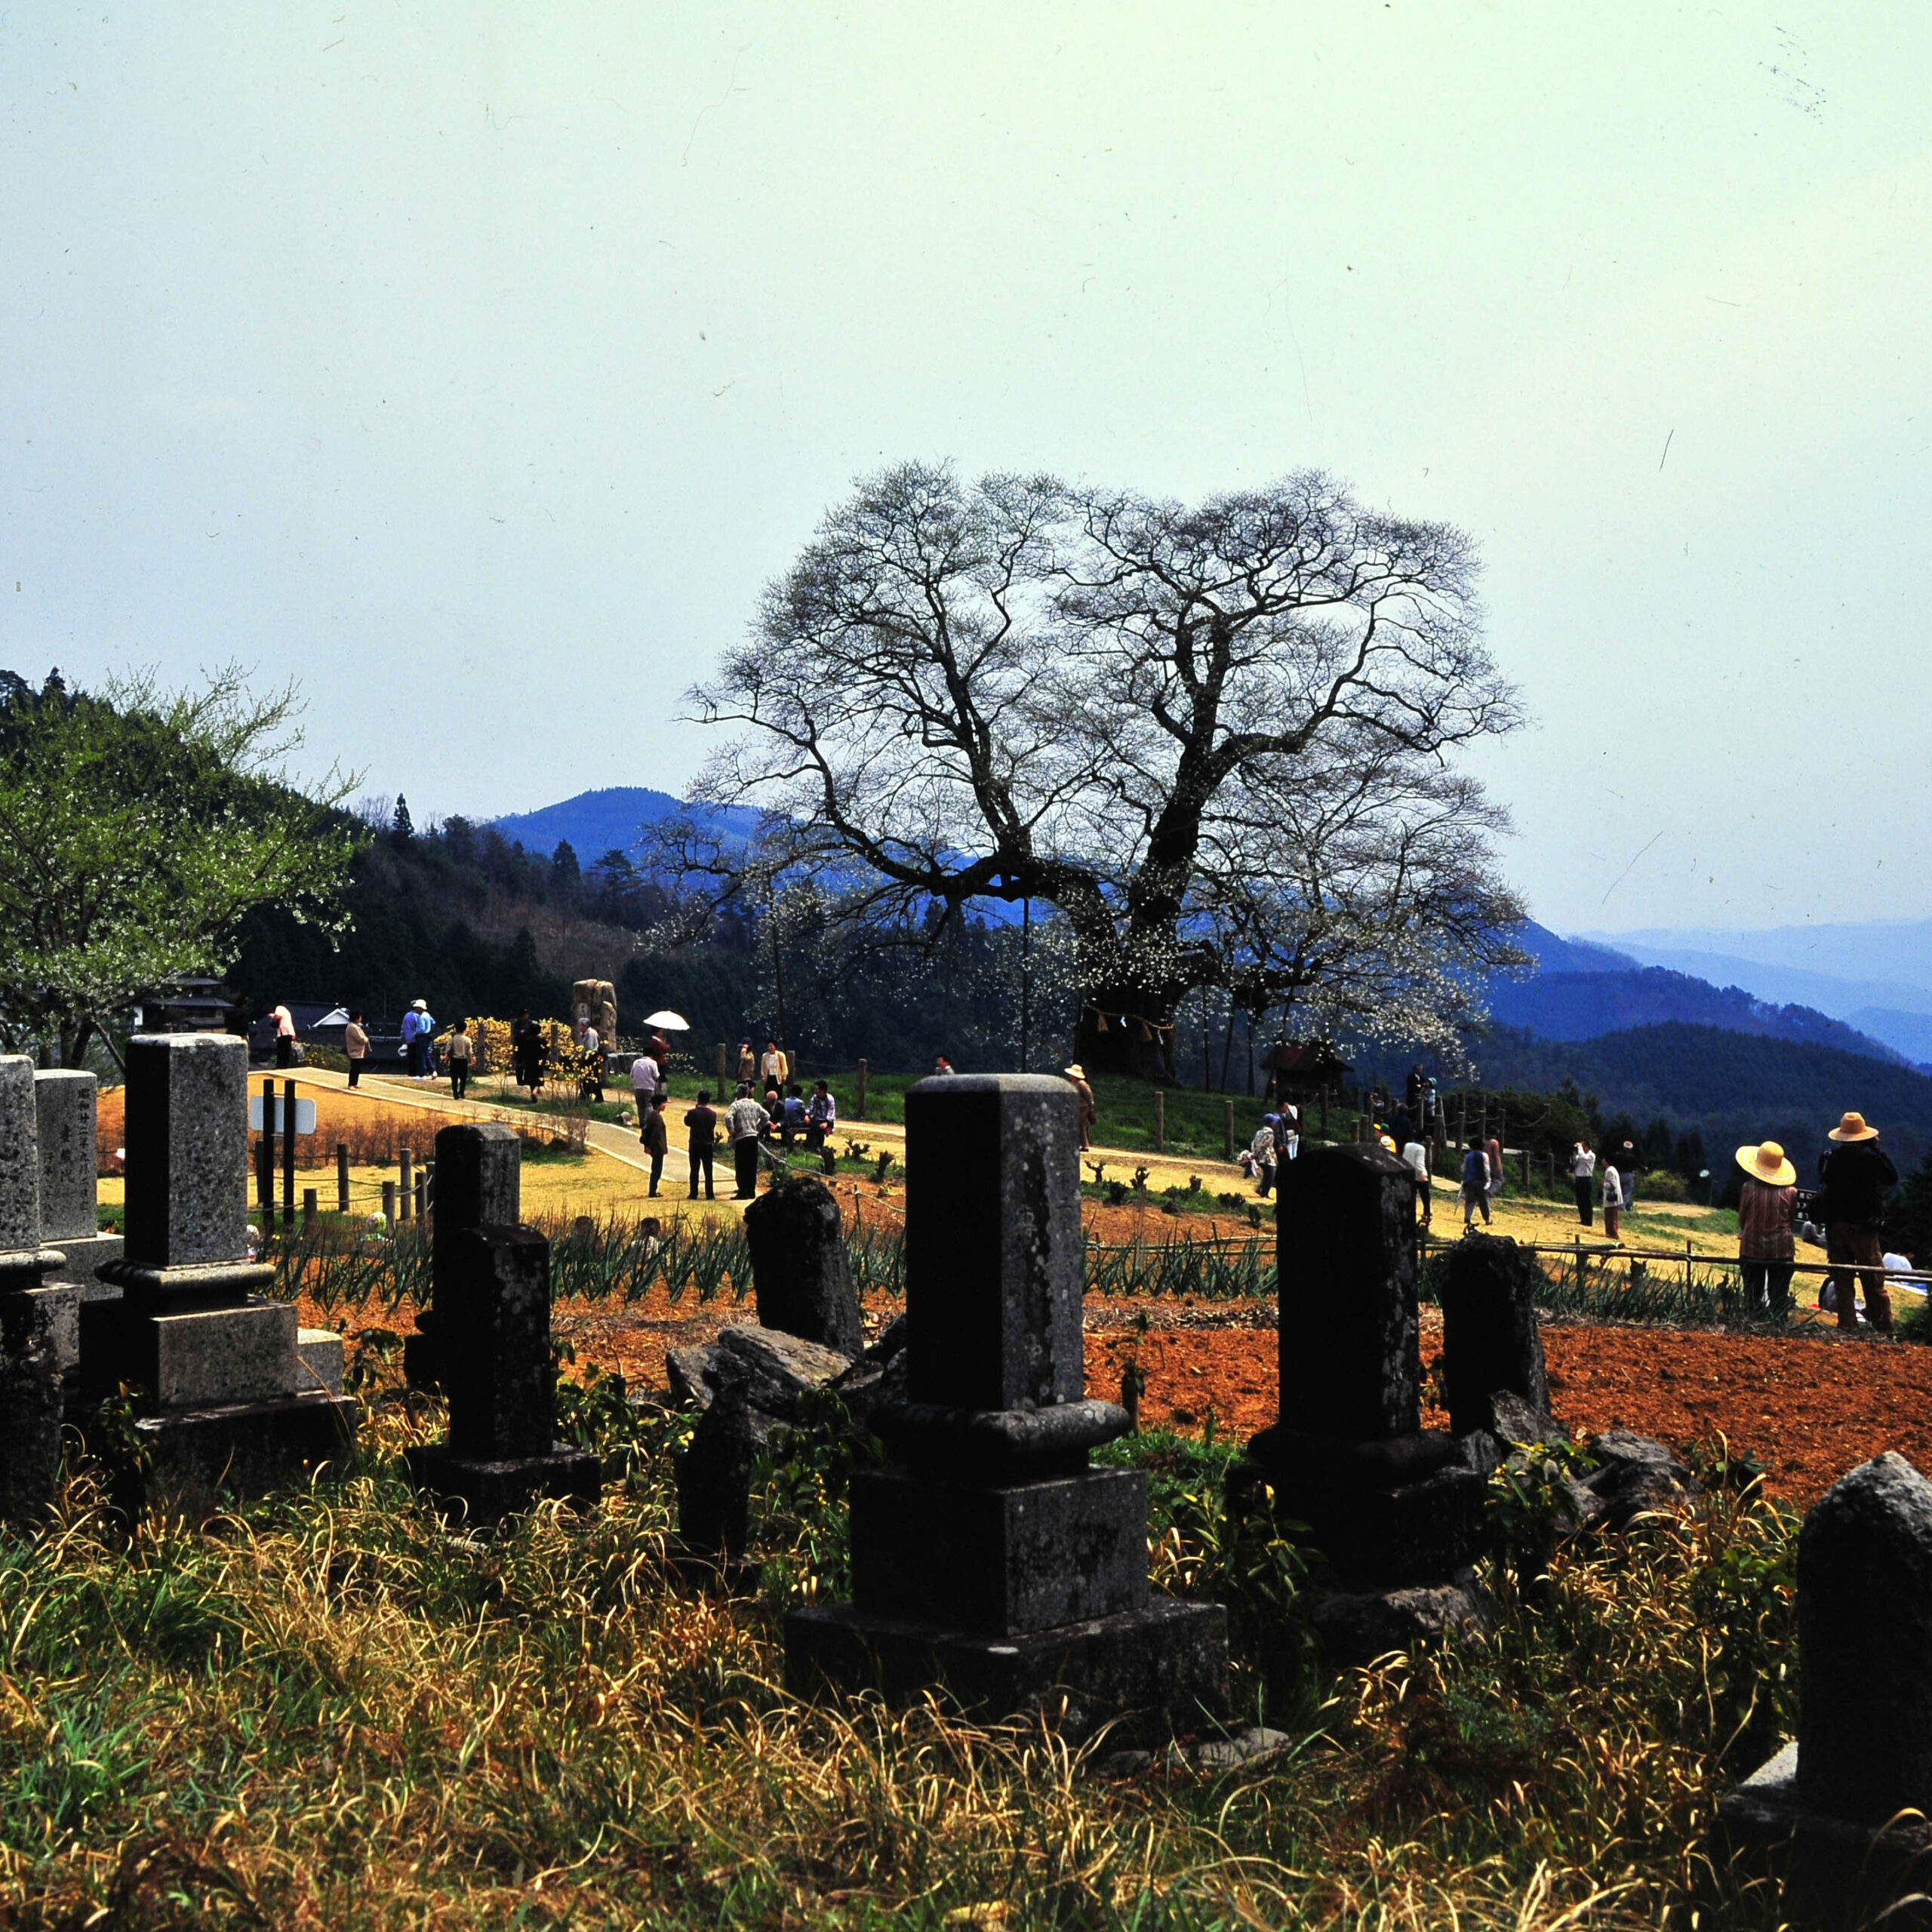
(224, 1395)
(800, 1271)
(479, 1183)
(1863, 1752)
(64, 1105)
(988, 1555)
(1492, 1344)
(30, 1315)
(492, 1301)
(1397, 1510)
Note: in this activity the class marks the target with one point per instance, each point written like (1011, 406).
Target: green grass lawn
(1196, 1121)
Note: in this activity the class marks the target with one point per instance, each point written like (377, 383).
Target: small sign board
(305, 1115)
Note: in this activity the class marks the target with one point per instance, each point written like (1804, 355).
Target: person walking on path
(355, 1045)
(416, 1039)
(647, 1083)
(462, 1048)
(702, 1123)
(1088, 1112)
(1613, 1199)
(745, 1120)
(656, 1139)
(1415, 1157)
(1855, 1173)
(1767, 1208)
(1475, 1184)
(527, 1050)
(1582, 1177)
(1492, 1148)
(285, 1038)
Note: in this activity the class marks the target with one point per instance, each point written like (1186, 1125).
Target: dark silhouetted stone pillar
(1828, 1804)
(1491, 1342)
(989, 1555)
(64, 1108)
(1394, 1508)
(492, 1302)
(479, 1183)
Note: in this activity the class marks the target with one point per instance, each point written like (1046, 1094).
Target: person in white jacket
(1582, 1171)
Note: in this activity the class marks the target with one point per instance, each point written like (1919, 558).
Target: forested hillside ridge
(1734, 1088)
(1580, 1006)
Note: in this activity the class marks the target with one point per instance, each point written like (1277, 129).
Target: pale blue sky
(478, 366)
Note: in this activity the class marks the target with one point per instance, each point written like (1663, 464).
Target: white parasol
(676, 1022)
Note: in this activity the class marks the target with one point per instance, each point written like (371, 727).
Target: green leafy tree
(137, 827)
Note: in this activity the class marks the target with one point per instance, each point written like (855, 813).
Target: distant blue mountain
(612, 819)
(1555, 954)
(1581, 991)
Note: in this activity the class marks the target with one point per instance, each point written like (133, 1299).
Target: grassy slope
(329, 1711)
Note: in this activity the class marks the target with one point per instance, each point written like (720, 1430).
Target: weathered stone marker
(224, 1395)
(800, 1271)
(65, 1111)
(1397, 1509)
(1863, 1752)
(479, 1183)
(1491, 1342)
(30, 1315)
(492, 1342)
(989, 1556)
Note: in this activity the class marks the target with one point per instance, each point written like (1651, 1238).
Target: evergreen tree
(402, 828)
(565, 873)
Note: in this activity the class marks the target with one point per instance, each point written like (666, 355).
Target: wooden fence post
(342, 1177)
(1228, 1126)
(388, 1204)
(288, 1153)
(1160, 1122)
(863, 1070)
(724, 1090)
(405, 1187)
(309, 1209)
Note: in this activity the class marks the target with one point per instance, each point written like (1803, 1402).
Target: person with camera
(1855, 1173)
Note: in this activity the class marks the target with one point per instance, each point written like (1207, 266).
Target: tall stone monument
(988, 1555)
(64, 1105)
(1845, 1804)
(491, 1341)
(1397, 1510)
(223, 1397)
(479, 1183)
(31, 1315)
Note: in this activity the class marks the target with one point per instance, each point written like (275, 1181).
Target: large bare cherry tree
(1217, 739)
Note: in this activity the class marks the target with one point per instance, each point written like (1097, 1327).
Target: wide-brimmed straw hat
(418, 1006)
(1852, 1128)
(1075, 1072)
(1766, 1163)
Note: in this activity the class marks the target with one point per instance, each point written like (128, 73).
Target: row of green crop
(622, 1259)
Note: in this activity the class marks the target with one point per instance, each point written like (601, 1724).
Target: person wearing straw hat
(1767, 1209)
(1855, 1173)
(1078, 1074)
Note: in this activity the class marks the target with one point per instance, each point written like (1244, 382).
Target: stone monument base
(1155, 1671)
(1836, 1871)
(83, 1253)
(489, 1490)
(188, 1460)
(1405, 1510)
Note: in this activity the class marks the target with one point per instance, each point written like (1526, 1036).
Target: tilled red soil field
(1810, 1407)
